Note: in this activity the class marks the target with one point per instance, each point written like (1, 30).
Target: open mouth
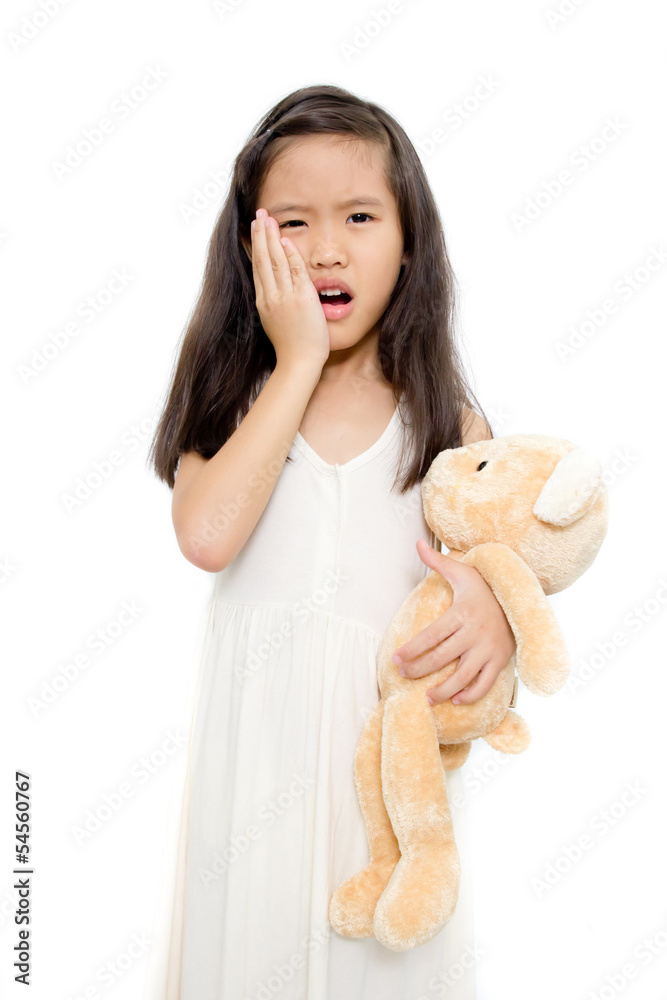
(339, 299)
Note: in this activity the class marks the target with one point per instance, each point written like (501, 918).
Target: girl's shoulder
(474, 427)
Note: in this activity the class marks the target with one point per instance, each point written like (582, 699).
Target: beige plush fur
(529, 512)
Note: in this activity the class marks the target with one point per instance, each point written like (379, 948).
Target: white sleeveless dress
(265, 821)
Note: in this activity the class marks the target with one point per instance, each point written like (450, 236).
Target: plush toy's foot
(512, 735)
(419, 900)
(454, 755)
(353, 903)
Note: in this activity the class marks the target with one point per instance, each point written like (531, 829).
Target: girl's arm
(217, 502)
(474, 628)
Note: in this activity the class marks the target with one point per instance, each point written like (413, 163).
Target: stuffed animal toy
(529, 512)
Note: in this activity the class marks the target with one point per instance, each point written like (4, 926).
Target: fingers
(269, 262)
(296, 264)
(481, 685)
(444, 627)
(434, 659)
(465, 674)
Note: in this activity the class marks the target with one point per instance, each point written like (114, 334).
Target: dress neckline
(358, 460)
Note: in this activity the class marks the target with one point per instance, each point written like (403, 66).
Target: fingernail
(430, 700)
(396, 658)
(455, 701)
(401, 671)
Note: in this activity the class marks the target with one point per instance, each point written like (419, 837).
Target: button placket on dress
(331, 536)
(327, 578)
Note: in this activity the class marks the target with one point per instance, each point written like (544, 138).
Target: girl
(324, 328)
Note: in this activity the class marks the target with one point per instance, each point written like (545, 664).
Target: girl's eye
(297, 222)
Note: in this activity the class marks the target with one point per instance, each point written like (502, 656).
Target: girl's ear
(248, 249)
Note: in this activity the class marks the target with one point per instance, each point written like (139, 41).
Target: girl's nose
(327, 252)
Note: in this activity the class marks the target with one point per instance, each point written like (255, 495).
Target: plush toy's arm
(542, 660)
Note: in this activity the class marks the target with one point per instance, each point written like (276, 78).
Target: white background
(66, 572)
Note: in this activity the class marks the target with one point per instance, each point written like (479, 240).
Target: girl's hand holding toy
(474, 628)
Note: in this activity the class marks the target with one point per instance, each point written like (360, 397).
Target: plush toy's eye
(481, 465)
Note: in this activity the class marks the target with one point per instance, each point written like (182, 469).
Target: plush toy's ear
(571, 489)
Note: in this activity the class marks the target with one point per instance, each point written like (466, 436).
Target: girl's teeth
(331, 293)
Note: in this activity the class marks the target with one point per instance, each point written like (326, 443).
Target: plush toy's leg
(422, 892)
(353, 903)
(542, 659)
(454, 755)
(512, 735)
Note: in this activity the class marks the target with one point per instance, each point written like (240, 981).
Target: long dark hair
(226, 356)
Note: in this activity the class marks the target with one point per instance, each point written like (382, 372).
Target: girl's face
(330, 197)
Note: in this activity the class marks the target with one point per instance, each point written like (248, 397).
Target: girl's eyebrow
(362, 199)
